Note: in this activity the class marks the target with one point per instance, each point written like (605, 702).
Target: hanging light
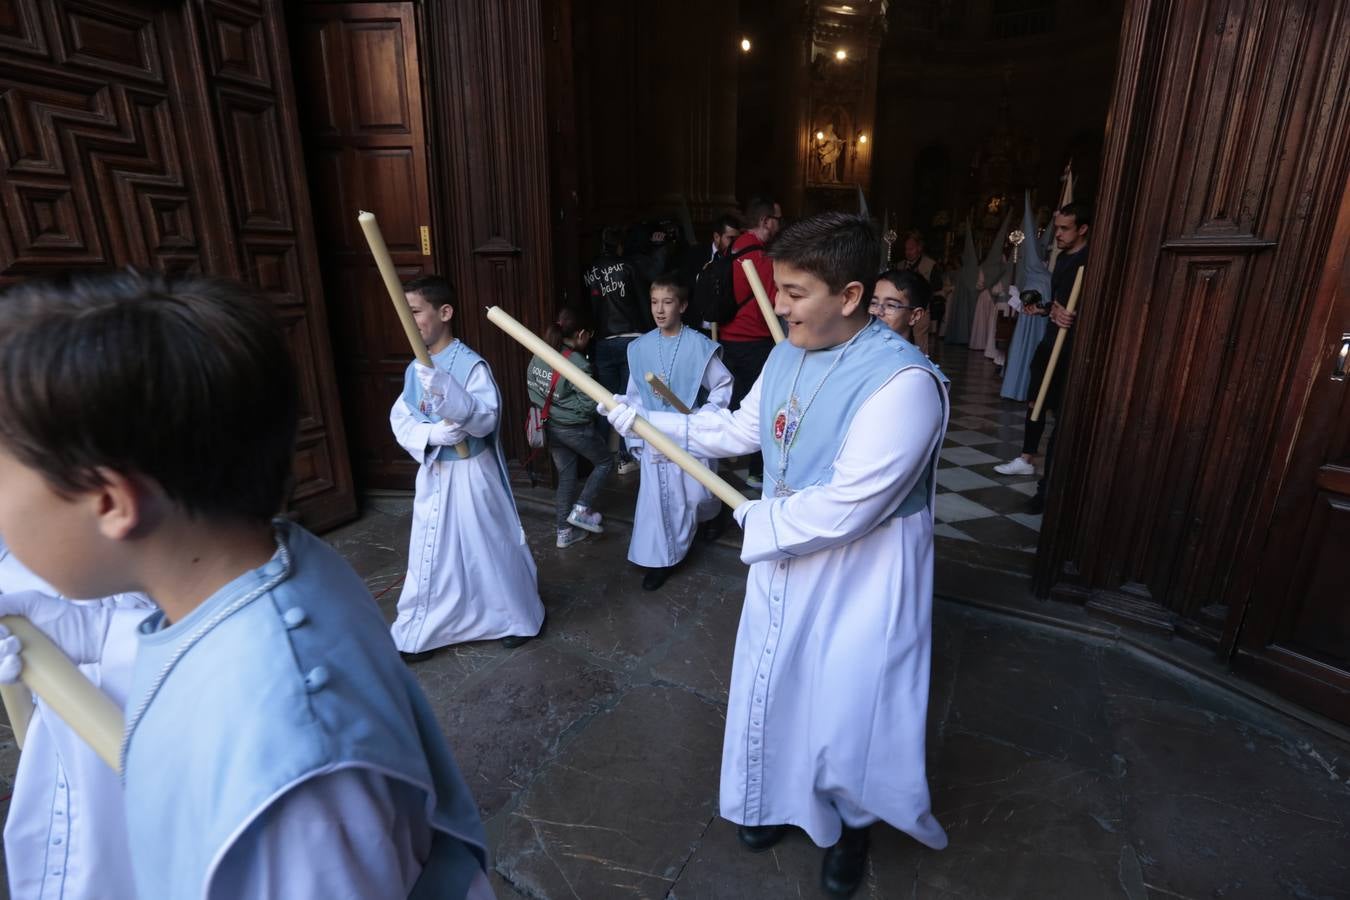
(745, 45)
(862, 137)
(820, 135)
(841, 54)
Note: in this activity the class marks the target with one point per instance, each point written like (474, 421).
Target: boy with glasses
(900, 301)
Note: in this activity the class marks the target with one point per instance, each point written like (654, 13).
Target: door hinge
(426, 240)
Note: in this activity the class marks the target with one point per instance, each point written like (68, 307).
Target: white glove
(622, 416)
(78, 629)
(445, 434)
(10, 664)
(435, 384)
(1014, 299)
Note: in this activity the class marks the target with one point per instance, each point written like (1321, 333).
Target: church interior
(1141, 674)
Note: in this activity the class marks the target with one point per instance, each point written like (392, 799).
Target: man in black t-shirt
(621, 309)
(1072, 224)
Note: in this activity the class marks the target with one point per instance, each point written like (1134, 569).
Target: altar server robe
(470, 576)
(65, 837)
(671, 503)
(829, 689)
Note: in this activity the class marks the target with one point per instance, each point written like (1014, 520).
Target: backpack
(536, 418)
(715, 289)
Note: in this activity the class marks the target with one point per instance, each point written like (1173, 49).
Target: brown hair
(835, 247)
(436, 290)
(675, 281)
(568, 323)
(185, 381)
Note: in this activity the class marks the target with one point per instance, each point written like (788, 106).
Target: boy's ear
(121, 504)
(447, 312)
(853, 292)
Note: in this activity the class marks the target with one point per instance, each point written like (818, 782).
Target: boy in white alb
(829, 684)
(275, 744)
(470, 573)
(671, 504)
(65, 837)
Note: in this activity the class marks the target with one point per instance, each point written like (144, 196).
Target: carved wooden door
(162, 135)
(1295, 634)
(359, 84)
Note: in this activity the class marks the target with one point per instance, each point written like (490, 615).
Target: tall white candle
(592, 388)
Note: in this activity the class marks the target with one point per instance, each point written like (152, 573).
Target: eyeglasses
(888, 306)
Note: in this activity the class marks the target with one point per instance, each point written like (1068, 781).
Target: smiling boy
(829, 688)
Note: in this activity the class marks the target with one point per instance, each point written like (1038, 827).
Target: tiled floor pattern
(975, 503)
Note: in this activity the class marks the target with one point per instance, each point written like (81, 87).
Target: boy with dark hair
(671, 504)
(275, 744)
(464, 513)
(900, 302)
(829, 686)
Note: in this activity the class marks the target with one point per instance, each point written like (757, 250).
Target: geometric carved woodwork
(115, 151)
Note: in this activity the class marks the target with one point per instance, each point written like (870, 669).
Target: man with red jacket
(746, 341)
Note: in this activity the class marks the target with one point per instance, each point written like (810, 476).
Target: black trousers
(745, 360)
(1031, 439)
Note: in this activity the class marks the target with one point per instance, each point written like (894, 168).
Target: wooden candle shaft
(385, 263)
(18, 702)
(51, 675)
(762, 298)
(591, 388)
(659, 388)
(1055, 351)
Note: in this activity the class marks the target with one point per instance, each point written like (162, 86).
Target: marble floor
(974, 502)
(1063, 762)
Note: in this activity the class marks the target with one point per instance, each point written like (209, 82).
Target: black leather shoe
(713, 529)
(760, 837)
(845, 863)
(411, 658)
(655, 578)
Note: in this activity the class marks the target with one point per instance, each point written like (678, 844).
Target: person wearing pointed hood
(961, 306)
(1032, 282)
(991, 283)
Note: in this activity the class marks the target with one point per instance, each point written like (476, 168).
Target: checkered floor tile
(974, 502)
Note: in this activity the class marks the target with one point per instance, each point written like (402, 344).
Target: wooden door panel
(93, 170)
(1294, 630)
(380, 99)
(157, 135)
(358, 72)
(1318, 621)
(248, 82)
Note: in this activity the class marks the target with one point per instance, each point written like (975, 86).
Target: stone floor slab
(618, 814)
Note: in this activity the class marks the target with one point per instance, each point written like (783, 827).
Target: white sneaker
(1016, 466)
(569, 536)
(585, 518)
(627, 466)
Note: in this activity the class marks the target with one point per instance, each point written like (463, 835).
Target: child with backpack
(570, 427)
